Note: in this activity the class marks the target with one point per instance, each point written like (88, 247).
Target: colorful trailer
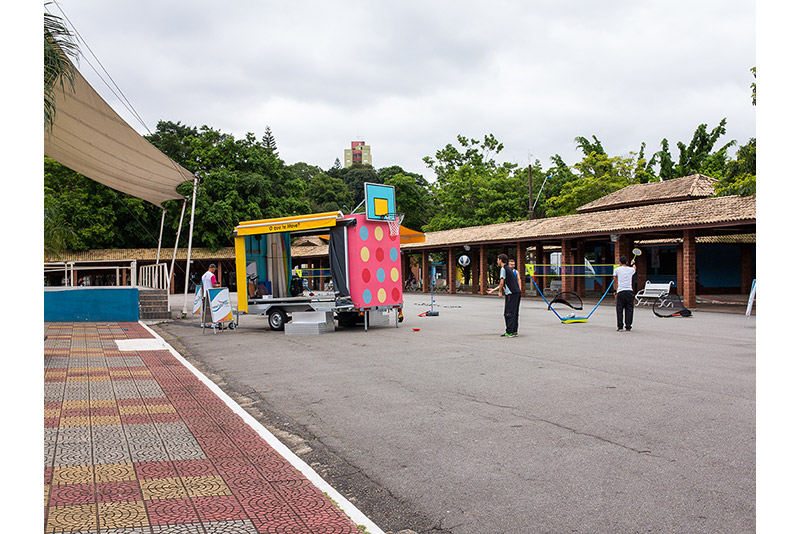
(364, 253)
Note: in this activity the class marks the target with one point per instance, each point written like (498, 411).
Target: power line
(121, 96)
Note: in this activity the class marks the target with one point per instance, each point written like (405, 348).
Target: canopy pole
(189, 251)
(175, 253)
(160, 233)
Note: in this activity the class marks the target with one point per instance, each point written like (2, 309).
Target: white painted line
(349, 509)
(142, 344)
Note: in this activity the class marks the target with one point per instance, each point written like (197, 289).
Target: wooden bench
(652, 291)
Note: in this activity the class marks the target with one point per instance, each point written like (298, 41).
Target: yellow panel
(381, 206)
(241, 273)
(287, 224)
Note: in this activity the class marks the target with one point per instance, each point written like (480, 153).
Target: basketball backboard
(379, 200)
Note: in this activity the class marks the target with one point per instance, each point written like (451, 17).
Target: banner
(751, 299)
(220, 302)
(198, 299)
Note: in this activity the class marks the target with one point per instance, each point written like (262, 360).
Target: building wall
(91, 304)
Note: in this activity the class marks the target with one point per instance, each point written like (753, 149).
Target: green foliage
(698, 156)
(93, 215)
(472, 189)
(740, 174)
(240, 179)
(597, 175)
(355, 177)
(326, 193)
(304, 171)
(59, 72)
(753, 85)
(413, 197)
(268, 141)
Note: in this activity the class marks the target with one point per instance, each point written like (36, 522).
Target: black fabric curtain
(337, 251)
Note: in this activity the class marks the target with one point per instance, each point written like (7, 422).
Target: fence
(154, 276)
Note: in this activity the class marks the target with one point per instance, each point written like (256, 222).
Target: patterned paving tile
(135, 444)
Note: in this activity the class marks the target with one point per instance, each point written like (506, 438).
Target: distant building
(357, 153)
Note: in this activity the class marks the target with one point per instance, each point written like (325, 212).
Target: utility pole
(530, 193)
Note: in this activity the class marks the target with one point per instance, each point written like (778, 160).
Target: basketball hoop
(394, 220)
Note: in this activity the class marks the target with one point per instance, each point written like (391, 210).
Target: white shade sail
(90, 138)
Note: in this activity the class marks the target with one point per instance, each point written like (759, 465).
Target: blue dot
(381, 275)
(393, 254)
(363, 233)
(367, 297)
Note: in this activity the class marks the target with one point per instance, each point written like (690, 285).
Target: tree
(304, 171)
(326, 193)
(753, 85)
(413, 199)
(740, 174)
(93, 215)
(598, 174)
(355, 177)
(698, 156)
(472, 188)
(59, 71)
(268, 141)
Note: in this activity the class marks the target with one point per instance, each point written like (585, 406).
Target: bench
(554, 289)
(652, 291)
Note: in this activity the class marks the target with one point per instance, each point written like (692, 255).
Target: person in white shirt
(208, 280)
(623, 285)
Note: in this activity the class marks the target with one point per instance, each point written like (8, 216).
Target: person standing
(623, 285)
(513, 264)
(209, 280)
(509, 289)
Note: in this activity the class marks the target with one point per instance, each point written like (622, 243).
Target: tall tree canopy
(471, 188)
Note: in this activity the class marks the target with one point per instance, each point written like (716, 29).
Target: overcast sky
(408, 77)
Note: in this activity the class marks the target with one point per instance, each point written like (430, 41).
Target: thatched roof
(686, 188)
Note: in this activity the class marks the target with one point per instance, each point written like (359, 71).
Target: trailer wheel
(277, 319)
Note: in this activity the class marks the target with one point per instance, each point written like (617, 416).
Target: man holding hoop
(623, 285)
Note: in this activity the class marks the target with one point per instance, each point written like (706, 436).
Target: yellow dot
(381, 295)
(395, 274)
(378, 233)
(365, 254)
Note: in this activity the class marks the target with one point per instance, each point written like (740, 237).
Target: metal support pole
(189, 251)
(160, 233)
(175, 253)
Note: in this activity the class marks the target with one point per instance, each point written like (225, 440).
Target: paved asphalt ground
(567, 428)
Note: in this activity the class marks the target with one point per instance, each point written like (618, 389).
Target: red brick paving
(209, 467)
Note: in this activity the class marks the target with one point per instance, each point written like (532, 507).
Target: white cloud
(408, 78)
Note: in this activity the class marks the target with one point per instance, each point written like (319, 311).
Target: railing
(154, 276)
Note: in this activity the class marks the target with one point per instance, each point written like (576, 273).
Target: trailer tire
(277, 319)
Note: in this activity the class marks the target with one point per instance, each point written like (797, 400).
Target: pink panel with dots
(374, 260)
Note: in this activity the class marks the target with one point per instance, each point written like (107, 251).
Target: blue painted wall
(719, 265)
(81, 304)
